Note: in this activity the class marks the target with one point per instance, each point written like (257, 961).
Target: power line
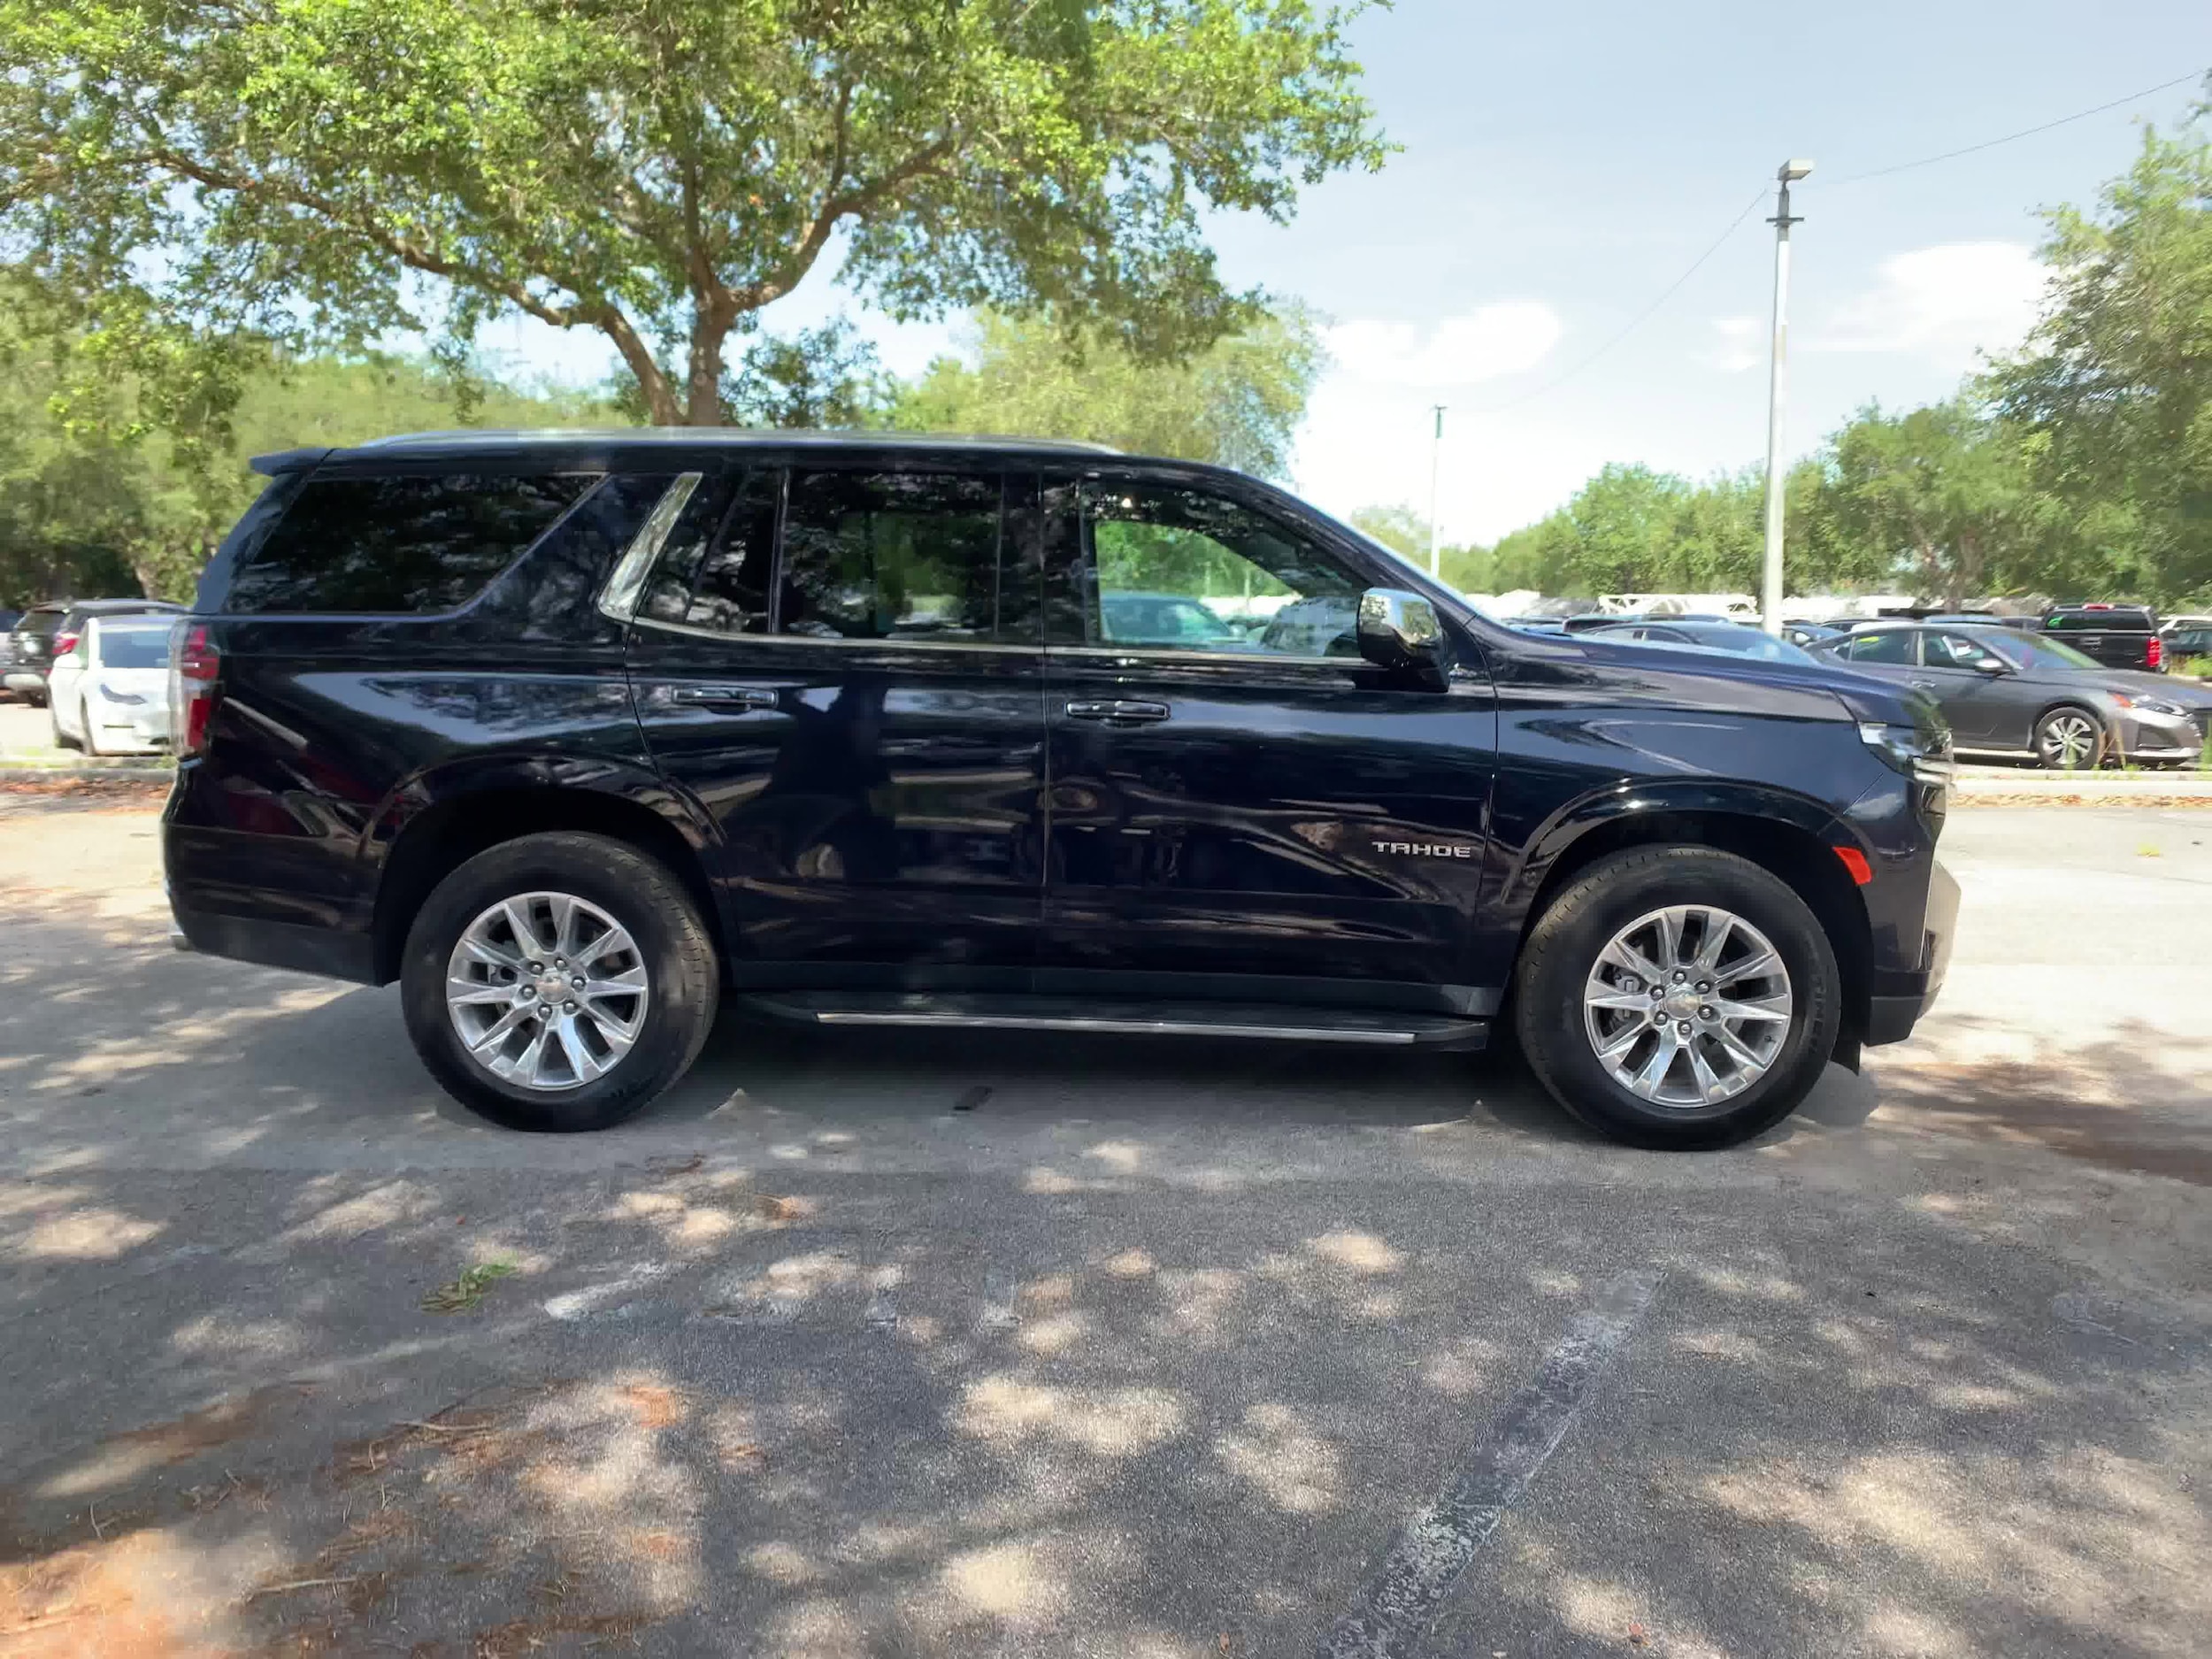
(1641, 317)
(1637, 321)
(2026, 132)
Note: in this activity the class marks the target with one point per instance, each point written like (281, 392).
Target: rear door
(1241, 806)
(841, 664)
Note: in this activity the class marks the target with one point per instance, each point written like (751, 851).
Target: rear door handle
(1926, 685)
(1118, 711)
(723, 696)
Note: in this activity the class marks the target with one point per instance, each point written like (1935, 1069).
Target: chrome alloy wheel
(547, 991)
(2069, 742)
(1687, 1006)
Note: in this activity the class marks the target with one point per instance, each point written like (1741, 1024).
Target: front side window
(1892, 645)
(1176, 569)
(408, 544)
(894, 556)
(1955, 650)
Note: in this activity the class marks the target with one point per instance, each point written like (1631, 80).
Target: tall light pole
(1436, 452)
(1788, 173)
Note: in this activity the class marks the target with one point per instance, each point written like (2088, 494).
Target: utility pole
(1436, 452)
(1788, 173)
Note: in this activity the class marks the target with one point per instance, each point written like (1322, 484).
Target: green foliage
(2115, 389)
(1238, 402)
(659, 170)
(106, 501)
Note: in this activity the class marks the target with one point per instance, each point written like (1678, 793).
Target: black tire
(62, 739)
(1564, 945)
(37, 699)
(91, 744)
(2048, 752)
(633, 888)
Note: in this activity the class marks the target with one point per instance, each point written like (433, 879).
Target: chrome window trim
(619, 597)
(696, 632)
(1142, 654)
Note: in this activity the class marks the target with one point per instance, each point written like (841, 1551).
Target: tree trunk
(703, 389)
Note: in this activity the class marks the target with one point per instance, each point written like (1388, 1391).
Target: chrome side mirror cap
(1401, 631)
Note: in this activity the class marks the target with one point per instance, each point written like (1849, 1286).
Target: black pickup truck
(575, 736)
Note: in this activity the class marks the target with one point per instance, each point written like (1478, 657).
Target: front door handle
(1924, 685)
(1118, 711)
(723, 696)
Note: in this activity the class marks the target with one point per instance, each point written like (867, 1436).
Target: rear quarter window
(406, 545)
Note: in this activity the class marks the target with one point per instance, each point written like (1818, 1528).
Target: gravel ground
(902, 1345)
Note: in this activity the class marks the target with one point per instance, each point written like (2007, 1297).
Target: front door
(1974, 686)
(1239, 805)
(842, 666)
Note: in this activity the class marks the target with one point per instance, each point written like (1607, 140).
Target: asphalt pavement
(899, 1345)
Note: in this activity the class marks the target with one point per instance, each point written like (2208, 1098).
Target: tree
(324, 171)
(1238, 402)
(1941, 495)
(2116, 384)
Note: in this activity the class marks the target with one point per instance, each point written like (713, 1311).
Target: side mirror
(1995, 667)
(1400, 631)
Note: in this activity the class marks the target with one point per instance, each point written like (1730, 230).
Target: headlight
(2152, 705)
(1925, 756)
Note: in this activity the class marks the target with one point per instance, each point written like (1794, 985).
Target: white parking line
(1400, 1600)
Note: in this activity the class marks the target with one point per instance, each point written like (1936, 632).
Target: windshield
(2023, 651)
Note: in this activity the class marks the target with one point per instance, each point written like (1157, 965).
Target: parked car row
(100, 667)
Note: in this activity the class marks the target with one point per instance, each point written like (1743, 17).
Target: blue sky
(1561, 165)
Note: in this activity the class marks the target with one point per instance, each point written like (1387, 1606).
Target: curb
(84, 774)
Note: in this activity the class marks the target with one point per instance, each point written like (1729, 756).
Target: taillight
(194, 664)
(65, 643)
(2157, 658)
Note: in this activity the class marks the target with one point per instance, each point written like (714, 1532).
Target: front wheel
(559, 982)
(1678, 997)
(2069, 739)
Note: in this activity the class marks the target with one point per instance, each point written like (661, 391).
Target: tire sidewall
(630, 888)
(1550, 1016)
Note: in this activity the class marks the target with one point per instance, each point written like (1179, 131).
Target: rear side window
(402, 544)
(2099, 622)
(892, 556)
(713, 572)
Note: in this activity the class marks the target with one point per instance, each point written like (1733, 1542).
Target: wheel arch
(1794, 844)
(434, 825)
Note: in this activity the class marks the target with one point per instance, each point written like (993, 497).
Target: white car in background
(108, 693)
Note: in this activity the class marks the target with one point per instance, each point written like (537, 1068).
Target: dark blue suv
(576, 735)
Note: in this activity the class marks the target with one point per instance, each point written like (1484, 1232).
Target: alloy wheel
(547, 991)
(1687, 1006)
(2069, 742)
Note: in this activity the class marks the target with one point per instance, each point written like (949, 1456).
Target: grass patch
(465, 1293)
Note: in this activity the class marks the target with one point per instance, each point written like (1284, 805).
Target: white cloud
(1507, 338)
(1945, 302)
(1741, 344)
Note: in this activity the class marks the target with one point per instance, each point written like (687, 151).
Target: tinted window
(1892, 645)
(133, 647)
(714, 569)
(1182, 570)
(397, 544)
(2097, 621)
(892, 556)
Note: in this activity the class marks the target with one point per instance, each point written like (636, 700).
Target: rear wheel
(1678, 997)
(2069, 739)
(89, 732)
(559, 982)
(62, 739)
